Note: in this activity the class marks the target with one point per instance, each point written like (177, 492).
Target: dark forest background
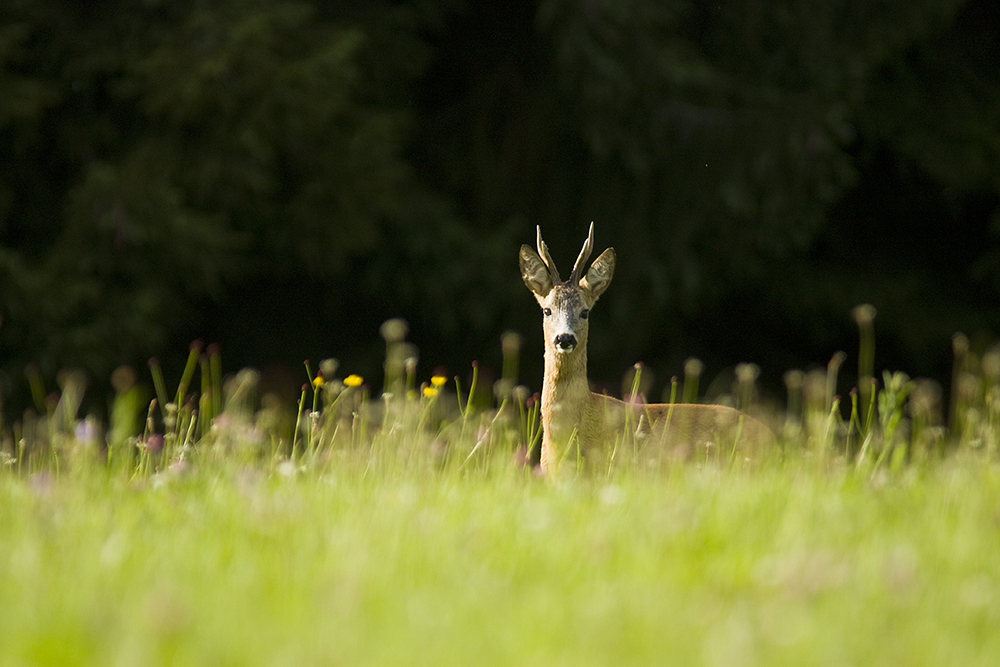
(281, 177)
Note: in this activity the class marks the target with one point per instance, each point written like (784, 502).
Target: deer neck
(565, 394)
(565, 375)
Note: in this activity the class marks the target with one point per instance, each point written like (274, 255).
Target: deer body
(574, 419)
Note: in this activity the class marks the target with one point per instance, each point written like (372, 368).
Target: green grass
(237, 565)
(208, 531)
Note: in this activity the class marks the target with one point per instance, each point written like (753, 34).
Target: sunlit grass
(213, 526)
(258, 565)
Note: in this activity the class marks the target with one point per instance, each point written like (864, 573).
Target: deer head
(566, 304)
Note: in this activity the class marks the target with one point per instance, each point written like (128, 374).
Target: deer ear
(534, 273)
(599, 274)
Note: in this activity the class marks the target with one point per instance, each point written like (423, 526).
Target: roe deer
(576, 419)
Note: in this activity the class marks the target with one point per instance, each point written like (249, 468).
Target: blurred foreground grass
(213, 527)
(240, 565)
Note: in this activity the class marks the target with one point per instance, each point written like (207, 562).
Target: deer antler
(543, 252)
(581, 261)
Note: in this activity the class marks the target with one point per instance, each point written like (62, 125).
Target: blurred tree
(918, 234)
(729, 130)
(714, 145)
(166, 152)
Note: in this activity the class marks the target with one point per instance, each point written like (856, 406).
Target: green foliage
(720, 136)
(194, 146)
(732, 122)
(716, 146)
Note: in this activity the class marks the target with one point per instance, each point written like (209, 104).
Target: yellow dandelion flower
(353, 380)
(430, 392)
(438, 380)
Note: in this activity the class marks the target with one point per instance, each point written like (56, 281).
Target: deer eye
(585, 313)
(547, 311)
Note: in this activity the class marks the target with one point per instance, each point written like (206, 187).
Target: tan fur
(574, 419)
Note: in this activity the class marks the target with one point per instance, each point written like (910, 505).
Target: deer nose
(566, 342)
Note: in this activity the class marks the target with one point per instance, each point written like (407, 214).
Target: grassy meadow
(207, 528)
